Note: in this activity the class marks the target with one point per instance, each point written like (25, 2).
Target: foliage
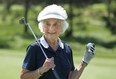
(4, 43)
(110, 18)
(84, 24)
(113, 5)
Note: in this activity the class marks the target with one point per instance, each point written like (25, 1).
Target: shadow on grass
(87, 39)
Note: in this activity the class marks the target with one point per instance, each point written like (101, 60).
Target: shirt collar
(45, 44)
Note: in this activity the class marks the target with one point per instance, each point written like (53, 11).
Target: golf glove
(89, 53)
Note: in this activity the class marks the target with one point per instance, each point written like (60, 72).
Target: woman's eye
(47, 24)
(55, 24)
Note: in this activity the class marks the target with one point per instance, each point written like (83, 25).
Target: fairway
(99, 68)
(10, 64)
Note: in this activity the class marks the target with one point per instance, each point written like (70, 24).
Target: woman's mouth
(51, 32)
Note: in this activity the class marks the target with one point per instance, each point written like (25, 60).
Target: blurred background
(89, 21)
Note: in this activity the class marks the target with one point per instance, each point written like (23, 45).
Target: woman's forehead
(52, 20)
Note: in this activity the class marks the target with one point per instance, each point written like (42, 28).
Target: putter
(22, 21)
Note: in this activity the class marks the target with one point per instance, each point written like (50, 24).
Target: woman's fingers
(48, 64)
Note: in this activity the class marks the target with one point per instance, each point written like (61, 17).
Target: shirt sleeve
(29, 62)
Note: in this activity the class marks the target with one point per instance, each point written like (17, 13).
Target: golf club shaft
(36, 40)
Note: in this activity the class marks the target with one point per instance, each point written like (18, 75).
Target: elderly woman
(52, 23)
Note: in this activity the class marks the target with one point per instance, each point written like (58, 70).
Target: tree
(69, 33)
(26, 4)
(8, 4)
(110, 20)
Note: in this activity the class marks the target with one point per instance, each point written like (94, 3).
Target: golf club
(22, 21)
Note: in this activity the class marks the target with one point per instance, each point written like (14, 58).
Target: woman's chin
(53, 36)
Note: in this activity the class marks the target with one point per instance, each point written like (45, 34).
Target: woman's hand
(48, 64)
(89, 53)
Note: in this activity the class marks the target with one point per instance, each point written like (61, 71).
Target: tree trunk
(69, 33)
(6, 10)
(26, 15)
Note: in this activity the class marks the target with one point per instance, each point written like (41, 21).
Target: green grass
(99, 68)
(10, 66)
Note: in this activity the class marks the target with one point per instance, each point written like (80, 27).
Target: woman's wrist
(84, 63)
(40, 71)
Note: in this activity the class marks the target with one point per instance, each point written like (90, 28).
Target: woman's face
(52, 28)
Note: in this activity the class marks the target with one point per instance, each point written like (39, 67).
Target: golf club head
(22, 21)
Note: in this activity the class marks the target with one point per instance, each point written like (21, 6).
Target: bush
(4, 43)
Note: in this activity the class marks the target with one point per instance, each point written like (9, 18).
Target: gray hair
(64, 26)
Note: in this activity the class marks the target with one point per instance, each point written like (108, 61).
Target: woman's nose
(51, 27)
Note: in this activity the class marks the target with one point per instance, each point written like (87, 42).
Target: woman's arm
(35, 74)
(77, 72)
(26, 74)
(89, 54)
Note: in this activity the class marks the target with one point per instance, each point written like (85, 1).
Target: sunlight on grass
(10, 66)
(100, 68)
